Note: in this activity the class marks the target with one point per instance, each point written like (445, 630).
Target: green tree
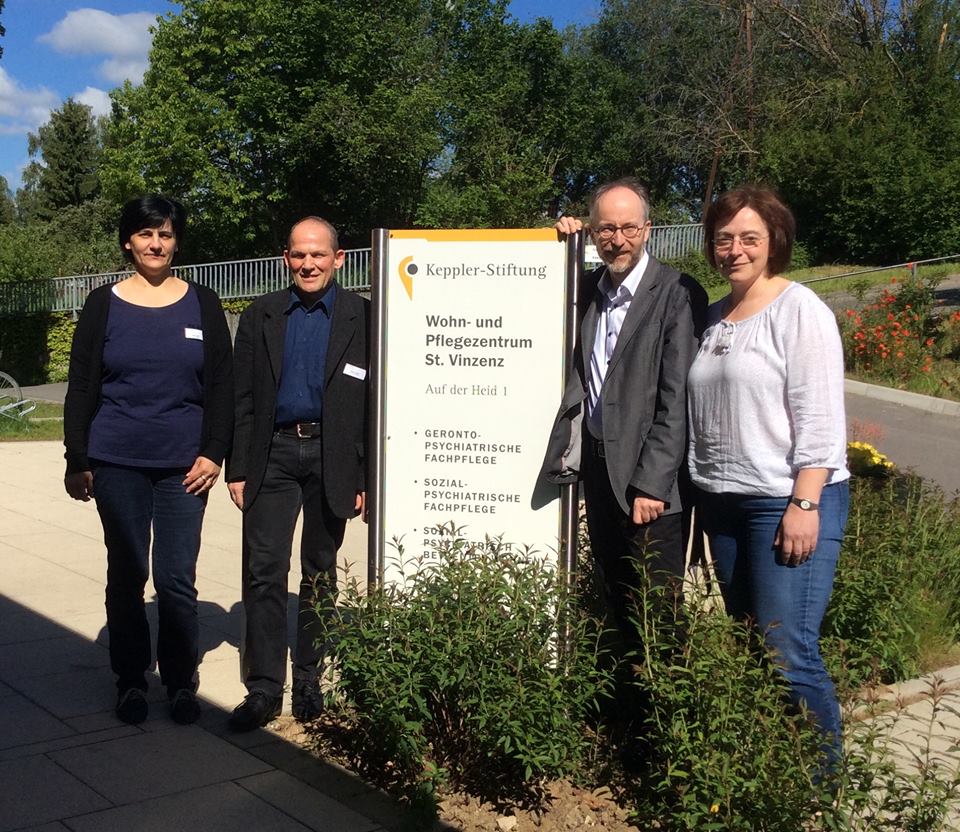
(80, 240)
(259, 111)
(66, 155)
(505, 115)
(8, 208)
(873, 168)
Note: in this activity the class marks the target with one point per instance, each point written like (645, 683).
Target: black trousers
(293, 480)
(621, 547)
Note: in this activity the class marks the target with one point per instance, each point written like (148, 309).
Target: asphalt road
(929, 443)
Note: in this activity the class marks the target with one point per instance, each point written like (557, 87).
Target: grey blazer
(644, 390)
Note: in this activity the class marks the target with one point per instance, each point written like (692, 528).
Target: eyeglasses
(724, 242)
(630, 231)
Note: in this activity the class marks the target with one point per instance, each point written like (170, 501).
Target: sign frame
(376, 446)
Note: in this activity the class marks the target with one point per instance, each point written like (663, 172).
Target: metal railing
(671, 241)
(233, 279)
(913, 265)
(230, 279)
(666, 243)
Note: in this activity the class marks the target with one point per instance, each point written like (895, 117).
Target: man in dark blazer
(300, 361)
(622, 426)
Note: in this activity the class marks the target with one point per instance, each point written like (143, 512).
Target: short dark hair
(781, 226)
(334, 236)
(150, 211)
(631, 183)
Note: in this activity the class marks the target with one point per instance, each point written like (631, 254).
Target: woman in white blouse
(768, 443)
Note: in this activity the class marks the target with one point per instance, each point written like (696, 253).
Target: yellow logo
(407, 270)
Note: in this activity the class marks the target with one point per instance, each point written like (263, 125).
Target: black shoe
(184, 707)
(307, 701)
(256, 710)
(131, 706)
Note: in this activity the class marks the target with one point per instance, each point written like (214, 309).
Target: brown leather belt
(302, 430)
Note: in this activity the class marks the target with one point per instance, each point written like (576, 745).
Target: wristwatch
(805, 505)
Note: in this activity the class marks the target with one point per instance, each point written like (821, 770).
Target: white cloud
(22, 109)
(118, 70)
(123, 38)
(96, 99)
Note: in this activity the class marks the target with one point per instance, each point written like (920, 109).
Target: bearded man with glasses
(621, 427)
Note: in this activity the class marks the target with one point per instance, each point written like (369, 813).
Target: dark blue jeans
(132, 502)
(786, 603)
(293, 481)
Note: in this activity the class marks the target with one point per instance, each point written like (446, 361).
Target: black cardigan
(86, 371)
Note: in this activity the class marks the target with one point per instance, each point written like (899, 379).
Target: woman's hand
(797, 536)
(79, 485)
(201, 477)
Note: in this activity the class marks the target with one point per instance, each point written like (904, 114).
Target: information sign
(470, 374)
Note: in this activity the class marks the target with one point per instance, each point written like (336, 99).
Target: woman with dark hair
(147, 422)
(768, 443)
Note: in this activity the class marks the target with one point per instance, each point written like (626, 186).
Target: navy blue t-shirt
(151, 408)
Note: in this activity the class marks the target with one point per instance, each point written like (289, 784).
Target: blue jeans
(786, 603)
(131, 502)
(293, 481)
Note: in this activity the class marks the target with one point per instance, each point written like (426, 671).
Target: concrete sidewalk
(66, 763)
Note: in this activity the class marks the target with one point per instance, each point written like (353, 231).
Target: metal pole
(378, 296)
(569, 494)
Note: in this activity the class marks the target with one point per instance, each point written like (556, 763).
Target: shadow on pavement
(65, 757)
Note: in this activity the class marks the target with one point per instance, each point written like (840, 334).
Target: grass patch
(43, 423)
(857, 285)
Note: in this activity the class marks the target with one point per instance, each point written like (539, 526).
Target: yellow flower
(714, 808)
(865, 460)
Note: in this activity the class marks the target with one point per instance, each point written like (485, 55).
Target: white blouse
(765, 398)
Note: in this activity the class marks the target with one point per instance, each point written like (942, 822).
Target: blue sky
(59, 48)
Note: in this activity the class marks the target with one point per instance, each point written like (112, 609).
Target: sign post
(470, 351)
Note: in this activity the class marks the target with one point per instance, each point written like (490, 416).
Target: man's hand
(797, 536)
(79, 485)
(568, 225)
(360, 506)
(236, 492)
(646, 509)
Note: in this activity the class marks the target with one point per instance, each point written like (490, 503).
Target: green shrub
(456, 675)
(897, 588)
(23, 347)
(60, 329)
(801, 257)
(724, 750)
(889, 784)
(696, 265)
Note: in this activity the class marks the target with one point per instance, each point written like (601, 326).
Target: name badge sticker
(355, 372)
(193, 334)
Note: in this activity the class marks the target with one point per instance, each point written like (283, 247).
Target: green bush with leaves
(696, 265)
(456, 675)
(896, 596)
(724, 750)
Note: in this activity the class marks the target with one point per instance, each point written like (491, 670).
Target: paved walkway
(66, 763)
